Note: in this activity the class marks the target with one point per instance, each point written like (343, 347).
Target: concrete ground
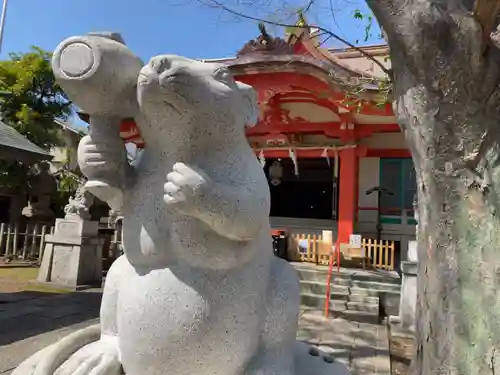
(362, 347)
(30, 321)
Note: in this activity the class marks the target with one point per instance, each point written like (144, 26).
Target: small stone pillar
(73, 254)
(408, 301)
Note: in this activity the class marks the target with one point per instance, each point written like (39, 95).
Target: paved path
(30, 321)
(362, 347)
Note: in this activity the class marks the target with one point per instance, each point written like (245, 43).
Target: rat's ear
(250, 107)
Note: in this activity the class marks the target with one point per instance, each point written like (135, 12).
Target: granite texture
(198, 290)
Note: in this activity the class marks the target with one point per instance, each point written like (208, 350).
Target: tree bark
(447, 101)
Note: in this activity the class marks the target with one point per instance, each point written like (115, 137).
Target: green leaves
(13, 174)
(69, 181)
(358, 15)
(368, 18)
(31, 98)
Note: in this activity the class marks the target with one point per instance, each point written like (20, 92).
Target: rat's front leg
(103, 160)
(235, 212)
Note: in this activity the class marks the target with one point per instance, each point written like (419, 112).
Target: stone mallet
(99, 74)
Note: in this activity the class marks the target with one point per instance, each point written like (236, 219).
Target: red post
(348, 194)
(337, 249)
(329, 277)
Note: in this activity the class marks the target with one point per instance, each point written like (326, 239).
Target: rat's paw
(100, 158)
(98, 358)
(184, 185)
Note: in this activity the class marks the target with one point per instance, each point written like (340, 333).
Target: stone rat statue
(198, 291)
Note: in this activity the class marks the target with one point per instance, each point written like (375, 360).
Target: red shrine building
(325, 154)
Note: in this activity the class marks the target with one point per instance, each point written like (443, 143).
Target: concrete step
(339, 292)
(365, 307)
(319, 273)
(380, 286)
(320, 288)
(357, 316)
(318, 301)
(317, 287)
(351, 315)
(362, 299)
(372, 285)
(372, 297)
(364, 292)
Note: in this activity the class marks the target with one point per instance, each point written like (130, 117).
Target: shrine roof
(340, 53)
(374, 50)
(11, 139)
(301, 61)
(289, 62)
(301, 54)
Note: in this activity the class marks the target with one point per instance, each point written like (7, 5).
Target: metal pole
(2, 22)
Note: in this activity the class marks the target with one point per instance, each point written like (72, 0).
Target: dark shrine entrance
(5, 203)
(309, 195)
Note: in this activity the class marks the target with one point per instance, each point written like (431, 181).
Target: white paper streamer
(294, 160)
(262, 159)
(325, 155)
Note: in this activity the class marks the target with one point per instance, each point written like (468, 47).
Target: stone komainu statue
(198, 290)
(80, 204)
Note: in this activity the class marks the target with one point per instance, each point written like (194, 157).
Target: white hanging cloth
(262, 159)
(291, 152)
(325, 155)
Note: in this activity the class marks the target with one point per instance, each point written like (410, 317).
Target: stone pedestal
(412, 251)
(408, 300)
(73, 254)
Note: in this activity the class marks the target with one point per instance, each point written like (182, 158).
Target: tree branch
(486, 12)
(391, 15)
(308, 6)
(322, 29)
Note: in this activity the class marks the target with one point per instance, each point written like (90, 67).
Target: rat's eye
(222, 74)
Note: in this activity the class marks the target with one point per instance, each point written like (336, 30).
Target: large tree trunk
(447, 102)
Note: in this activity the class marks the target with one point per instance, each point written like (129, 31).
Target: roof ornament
(301, 22)
(266, 38)
(266, 44)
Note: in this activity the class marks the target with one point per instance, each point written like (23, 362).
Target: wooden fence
(379, 254)
(310, 248)
(314, 249)
(29, 243)
(23, 244)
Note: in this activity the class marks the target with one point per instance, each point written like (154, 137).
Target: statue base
(309, 360)
(72, 257)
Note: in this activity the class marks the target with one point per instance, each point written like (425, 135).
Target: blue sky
(152, 27)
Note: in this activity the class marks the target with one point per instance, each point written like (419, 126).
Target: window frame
(403, 164)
